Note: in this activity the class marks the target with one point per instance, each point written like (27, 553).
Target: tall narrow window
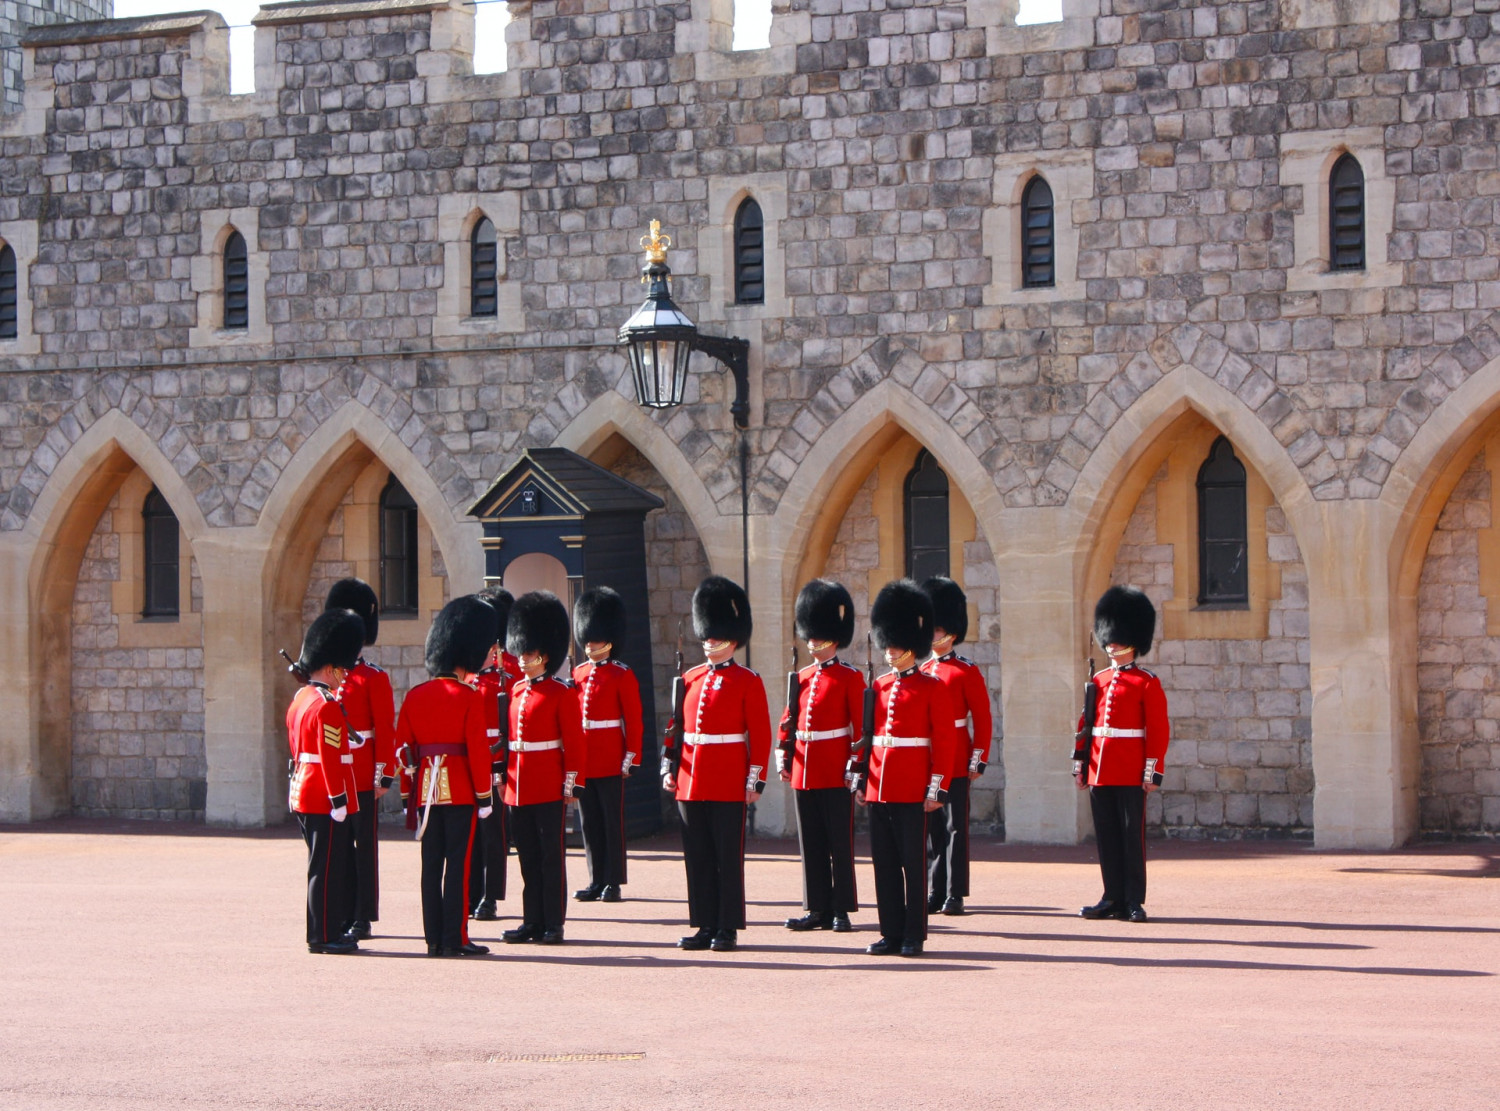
(483, 256)
(749, 254)
(1223, 546)
(1037, 251)
(926, 497)
(398, 549)
(236, 282)
(7, 292)
(1346, 212)
(159, 532)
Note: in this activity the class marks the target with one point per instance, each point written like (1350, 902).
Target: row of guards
(492, 749)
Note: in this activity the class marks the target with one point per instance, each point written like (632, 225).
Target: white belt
(315, 758)
(886, 741)
(960, 723)
(715, 738)
(534, 746)
(824, 734)
(616, 723)
(1111, 731)
(364, 736)
(492, 732)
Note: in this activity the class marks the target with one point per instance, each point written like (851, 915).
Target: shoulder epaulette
(328, 695)
(964, 660)
(1144, 671)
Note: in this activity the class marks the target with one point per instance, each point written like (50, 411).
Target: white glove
(339, 813)
(486, 811)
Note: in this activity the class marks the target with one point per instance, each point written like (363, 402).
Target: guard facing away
(1127, 750)
(488, 857)
(948, 828)
(445, 778)
(610, 700)
(322, 793)
(910, 765)
(718, 746)
(370, 706)
(823, 711)
(545, 763)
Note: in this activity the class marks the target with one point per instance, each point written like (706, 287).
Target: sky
(490, 17)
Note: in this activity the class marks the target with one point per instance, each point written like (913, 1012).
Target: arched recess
(52, 547)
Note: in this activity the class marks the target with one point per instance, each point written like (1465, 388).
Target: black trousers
(898, 831)
(948, 844)
(488, 859)
(713, 850)
(445, 875)
(537, 830)
(327, 876)
(364, 862)
(825, 832)
(1120, 830)
(601, 808)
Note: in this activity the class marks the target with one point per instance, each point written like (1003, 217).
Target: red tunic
(971, 702)
(727, 727)
(914, 737)
(318, 739)
(610, 698)
(447, 712)
(1132, 727)
(371, 708)
(490, 682)
(544, 712)
(830, 711)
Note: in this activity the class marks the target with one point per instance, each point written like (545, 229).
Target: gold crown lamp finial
(655, 245)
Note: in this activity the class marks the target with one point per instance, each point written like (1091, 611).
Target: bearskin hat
(950, 608)
(1125, 615)
(500, 601)
(721, 611)
(461, 636)
(333, 639)
(825, 612)
(538, 623)
(599, 615)
(359, 596)
(901, 617)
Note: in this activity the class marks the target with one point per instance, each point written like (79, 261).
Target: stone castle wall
(17, 17)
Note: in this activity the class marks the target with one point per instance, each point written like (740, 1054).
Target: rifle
(857, 773)
(294, 667)
(671, 757)
(788, 746)
(1084, 737)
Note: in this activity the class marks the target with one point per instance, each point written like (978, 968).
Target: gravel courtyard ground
(151, 966)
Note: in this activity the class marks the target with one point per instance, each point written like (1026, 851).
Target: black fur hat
(825, 612)
(461, 636)
(901, 617)
(538, 623)
(500, 601)
(1125, 615)
(599, 615)
(721, 611)
(359, 596)
(950, 608)
(333, 639)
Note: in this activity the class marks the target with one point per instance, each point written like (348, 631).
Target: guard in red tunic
(726, 746)
(446, 775)
(948, 828)
(819, 731)
(610, 699)
(370, 706)
(911, 765)
(488, 857)
(322, 791)
(546, 763)
(1127, 752)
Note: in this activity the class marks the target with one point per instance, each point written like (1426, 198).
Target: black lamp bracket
(733, 353)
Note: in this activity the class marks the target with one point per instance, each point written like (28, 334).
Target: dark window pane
(749, 255)
(1223, 545)
(1346, 207)
(236, 282)
(1037, 241)
(483, 270)
(398, 549)
(159, 534)
(926, 505)
(7, 293)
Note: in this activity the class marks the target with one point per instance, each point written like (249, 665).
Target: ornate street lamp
(660, 338)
